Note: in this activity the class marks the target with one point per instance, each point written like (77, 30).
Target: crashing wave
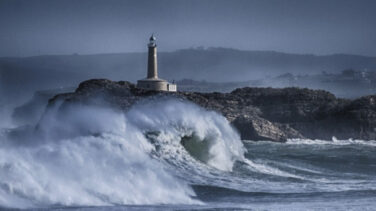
(84, 155)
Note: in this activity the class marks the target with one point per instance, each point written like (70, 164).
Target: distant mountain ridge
(18, 75)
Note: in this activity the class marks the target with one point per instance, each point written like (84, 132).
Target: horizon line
(190, 48)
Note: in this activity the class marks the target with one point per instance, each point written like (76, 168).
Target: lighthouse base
(156, 84)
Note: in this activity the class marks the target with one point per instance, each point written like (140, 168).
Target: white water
(152, 154)
(334, 141)
(96, 156)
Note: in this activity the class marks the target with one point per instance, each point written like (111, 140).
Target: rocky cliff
(257, 113)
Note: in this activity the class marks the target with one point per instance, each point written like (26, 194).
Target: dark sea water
(179, 158)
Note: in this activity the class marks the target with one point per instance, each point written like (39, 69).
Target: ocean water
(173, 155)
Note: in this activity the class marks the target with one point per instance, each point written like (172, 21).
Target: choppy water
(173, 155)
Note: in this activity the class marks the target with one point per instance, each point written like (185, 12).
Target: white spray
(96, 156)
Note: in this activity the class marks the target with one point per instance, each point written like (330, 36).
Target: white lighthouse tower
(152, 82)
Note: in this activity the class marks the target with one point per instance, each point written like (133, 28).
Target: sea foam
(83, 155)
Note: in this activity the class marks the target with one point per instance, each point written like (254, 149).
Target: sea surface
(173, 155)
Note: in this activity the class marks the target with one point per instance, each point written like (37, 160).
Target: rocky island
(257, 113)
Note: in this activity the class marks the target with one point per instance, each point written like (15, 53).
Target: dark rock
(257, 113)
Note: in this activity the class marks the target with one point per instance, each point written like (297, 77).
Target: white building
(152, 82)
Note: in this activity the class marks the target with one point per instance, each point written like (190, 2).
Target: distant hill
(223, 65)
(348, 83)
(20, 76)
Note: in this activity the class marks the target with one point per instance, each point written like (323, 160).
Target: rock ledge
(257, 113)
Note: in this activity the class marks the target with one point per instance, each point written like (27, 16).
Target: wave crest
(85, 155)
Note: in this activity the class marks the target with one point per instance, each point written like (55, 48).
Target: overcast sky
(35, 27)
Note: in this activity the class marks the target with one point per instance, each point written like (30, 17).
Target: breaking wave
(82, 155)
(171, 152)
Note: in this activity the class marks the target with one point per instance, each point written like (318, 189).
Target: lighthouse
(152, 82)
(152, 58)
